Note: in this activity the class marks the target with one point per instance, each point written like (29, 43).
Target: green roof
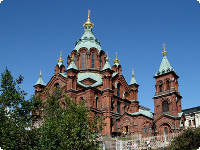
(95, 77)
(72, 65)
(106, 66)
(133, 81)
(165, 67)
(40, 82)
(145, 113)
(88, 40)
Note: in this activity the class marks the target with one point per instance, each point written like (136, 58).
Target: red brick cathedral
(89, 76)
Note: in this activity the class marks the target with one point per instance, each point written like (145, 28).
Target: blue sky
(33, 32)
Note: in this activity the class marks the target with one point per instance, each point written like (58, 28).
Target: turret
(60, 68)
(72, 72)
(117, 67)
(107, 75)
(39, 86)
(167, 97)
(133, 94)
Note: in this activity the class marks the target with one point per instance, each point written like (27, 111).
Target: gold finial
(60, 59)
(107, 57)
(116, 59)
(40, 75)
(133, 73)
(164, 51)
(88, 22)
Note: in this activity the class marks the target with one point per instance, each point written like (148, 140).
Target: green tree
(14, 112)
(188, 140)
(69, 127)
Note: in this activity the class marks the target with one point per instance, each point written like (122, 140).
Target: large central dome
(88, 39)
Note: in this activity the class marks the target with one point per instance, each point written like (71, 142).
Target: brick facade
(89, 76)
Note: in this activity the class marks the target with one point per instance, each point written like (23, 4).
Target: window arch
(150, 131)
(165, 131)
(92, 66)
(75, 58)
(57, 89)
(83, 60)
(165, 106)
(145, 129)
(118, 90)
(160, 86)
(96, 101)
(118, 107)
(168, 86)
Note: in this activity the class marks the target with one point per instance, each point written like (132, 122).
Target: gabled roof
(94, 77)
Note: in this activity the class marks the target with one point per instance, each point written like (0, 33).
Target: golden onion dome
(60, 59)
(116, 59)
(88, 22)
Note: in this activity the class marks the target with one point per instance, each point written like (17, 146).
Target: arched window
(165, 106)
(145, 130)
(92, 60)
(160, 87)
(168, 86)
(118, 90)
(165, 131)
(118, 107)
(150, 131)
(83, 60)
(57, 90)
(75, 58)
(100, 61)
(96, 102)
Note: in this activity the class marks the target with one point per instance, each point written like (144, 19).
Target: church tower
(168, 115)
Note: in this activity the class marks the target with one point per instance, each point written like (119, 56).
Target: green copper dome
(72, 65)
(88, 39)
(165, 66)
(40, 81)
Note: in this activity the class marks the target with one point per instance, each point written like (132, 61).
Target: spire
(133, 81)
(40, 81)
(88, 22)
(60, 60)
(72, 65)
(116, 61)
(107, 65)
(165, 65)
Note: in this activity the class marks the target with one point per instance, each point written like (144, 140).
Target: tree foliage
(72, 127)
(190, 139)
(69, 127)
(14, 112)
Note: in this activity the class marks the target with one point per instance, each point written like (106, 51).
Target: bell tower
(168, 114)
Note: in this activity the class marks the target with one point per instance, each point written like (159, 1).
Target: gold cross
(116, 55)
(89, 13)
(163, 46)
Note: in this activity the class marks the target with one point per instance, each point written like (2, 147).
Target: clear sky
(33, 32)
